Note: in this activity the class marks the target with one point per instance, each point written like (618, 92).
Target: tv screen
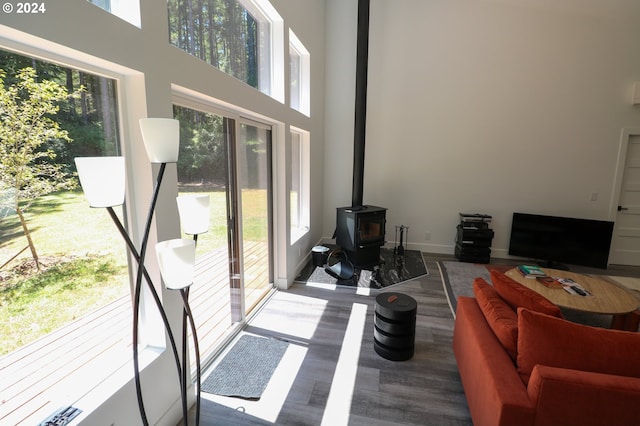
(554, 239)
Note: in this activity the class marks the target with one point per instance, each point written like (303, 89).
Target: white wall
(78, 34)
(484, 106)
(341, 18)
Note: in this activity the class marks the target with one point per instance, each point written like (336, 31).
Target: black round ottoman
(394, 326)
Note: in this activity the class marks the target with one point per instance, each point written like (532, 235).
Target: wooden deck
(61, 367)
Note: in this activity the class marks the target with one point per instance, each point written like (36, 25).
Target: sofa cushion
(518, 295)
(502, 319)
(555, 342)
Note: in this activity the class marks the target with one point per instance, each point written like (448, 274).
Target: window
(80, 298)
(299, 76)
(243, 38)
(56, 265)
(299, 193)
(128, 10)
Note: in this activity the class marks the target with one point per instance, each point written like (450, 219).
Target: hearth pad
(391, 270)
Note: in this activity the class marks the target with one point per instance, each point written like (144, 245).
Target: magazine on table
(572, 287)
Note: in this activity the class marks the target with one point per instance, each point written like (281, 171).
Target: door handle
(620, 208)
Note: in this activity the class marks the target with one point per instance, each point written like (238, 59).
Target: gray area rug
(246, 369)
(457, 279)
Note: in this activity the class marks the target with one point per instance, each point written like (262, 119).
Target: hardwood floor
(325, 380)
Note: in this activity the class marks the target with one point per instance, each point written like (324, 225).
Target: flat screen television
(554, 240)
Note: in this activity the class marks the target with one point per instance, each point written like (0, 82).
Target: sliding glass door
(230, 160)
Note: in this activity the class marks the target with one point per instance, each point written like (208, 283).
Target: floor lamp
(103, 182)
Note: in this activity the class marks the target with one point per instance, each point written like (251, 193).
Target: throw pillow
(556, 342)
(518, 295)
(502, 319)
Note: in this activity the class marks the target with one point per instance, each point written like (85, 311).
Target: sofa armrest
(582, 398)
(495, 393)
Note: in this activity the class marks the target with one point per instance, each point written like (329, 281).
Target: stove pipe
(362, 58)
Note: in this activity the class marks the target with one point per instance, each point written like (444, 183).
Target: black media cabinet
(473, 238)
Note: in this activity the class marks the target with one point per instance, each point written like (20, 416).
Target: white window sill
(298, 233)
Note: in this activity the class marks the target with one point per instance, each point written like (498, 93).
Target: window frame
(303, 75)
(264, 12)
(127, 10)
(302, 179)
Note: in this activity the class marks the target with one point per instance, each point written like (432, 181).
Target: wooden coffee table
(606, 297)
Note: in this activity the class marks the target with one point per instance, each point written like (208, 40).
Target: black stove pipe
(362, 59)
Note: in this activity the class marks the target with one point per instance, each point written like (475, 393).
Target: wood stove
(360, 233)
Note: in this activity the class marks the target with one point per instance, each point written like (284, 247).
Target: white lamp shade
(161, 138)
(177, 259)
(102, 180)
(194, 213)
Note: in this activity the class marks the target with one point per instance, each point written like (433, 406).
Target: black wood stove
(360, 233)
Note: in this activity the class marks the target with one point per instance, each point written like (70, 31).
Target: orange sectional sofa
(522, 367)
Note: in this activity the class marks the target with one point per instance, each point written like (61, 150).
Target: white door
(625, 245)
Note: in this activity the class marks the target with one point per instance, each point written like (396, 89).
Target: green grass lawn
(84, 267)
(85, 263)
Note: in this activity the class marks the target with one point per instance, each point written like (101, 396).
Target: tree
(27, 167)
